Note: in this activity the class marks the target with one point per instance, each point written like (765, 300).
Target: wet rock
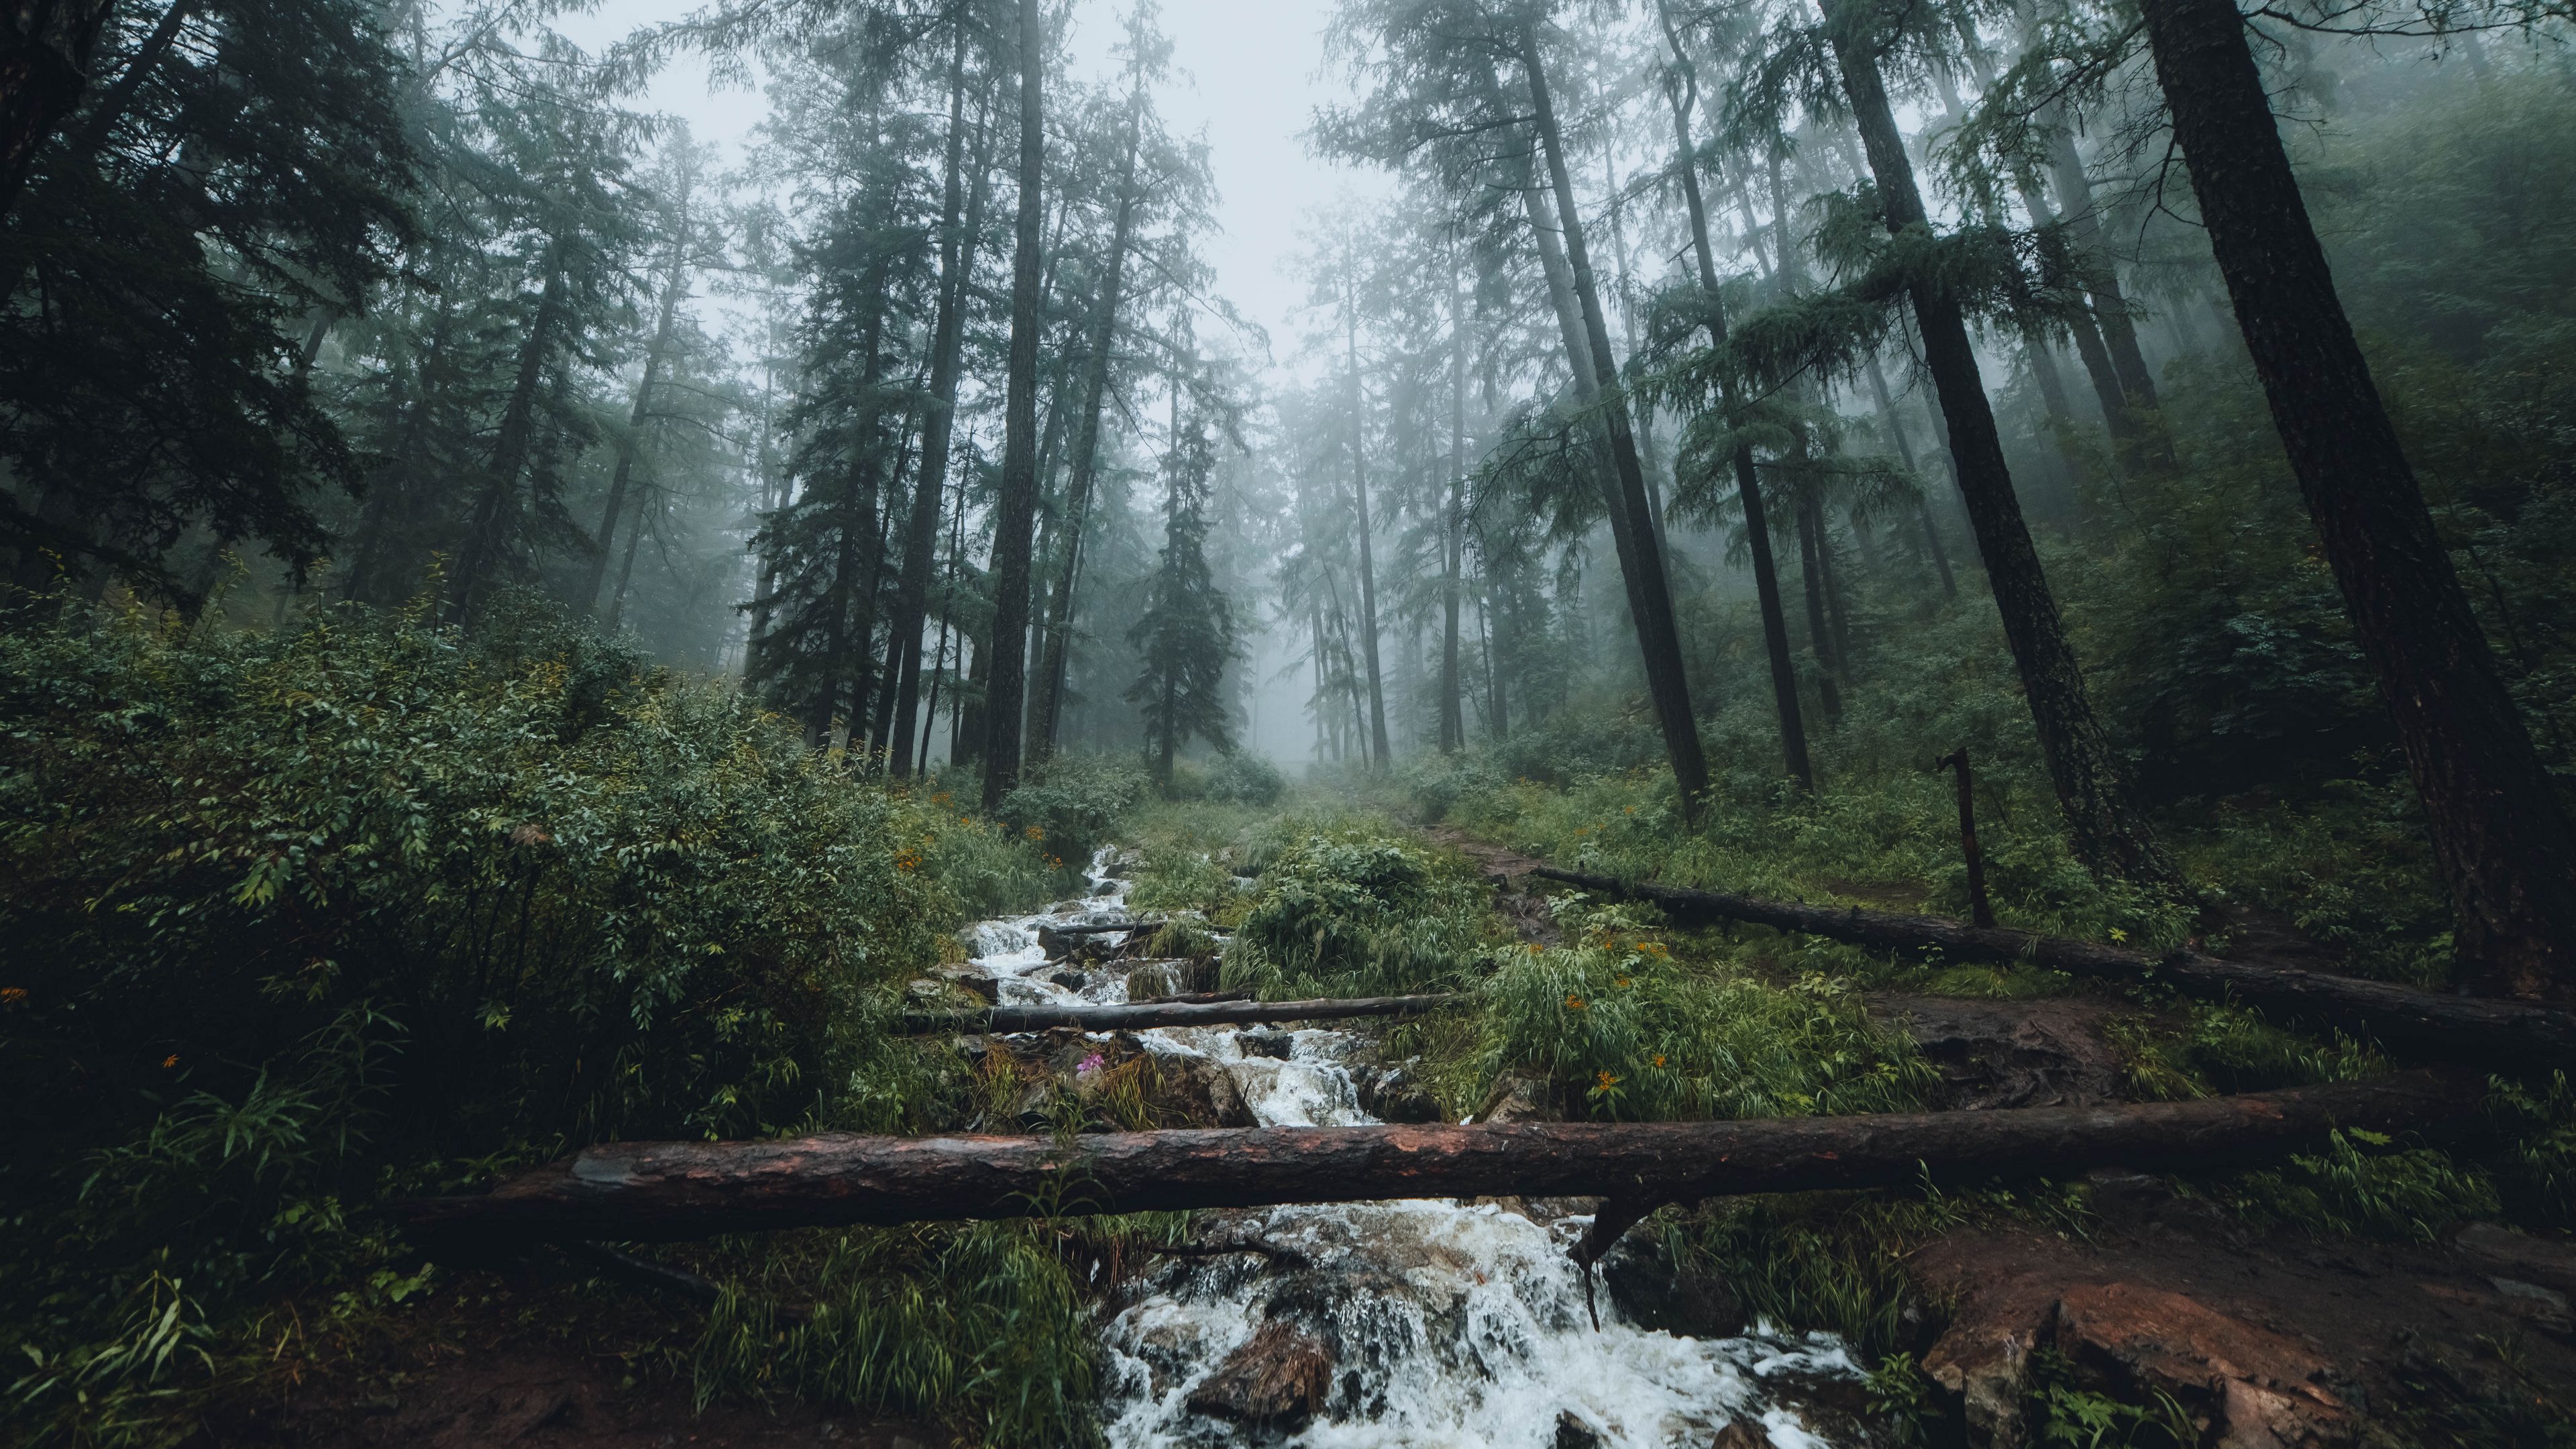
(1659, 1295)
(2545, 1308)
(1984, 1358)
(1069, 980)
(1391, 1094)
(2253, 1388)
(1157, 978)
(1740, 1434)
(1279, 1378)
(1276, 1045)
(1196, 1092)
(2519, 1256)
(1105, 888)
(1519, 1099)
(983, 986)
(1121, 865)
(1573, 1433)
(2264, 1390)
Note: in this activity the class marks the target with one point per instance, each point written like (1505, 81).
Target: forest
(1557, 724)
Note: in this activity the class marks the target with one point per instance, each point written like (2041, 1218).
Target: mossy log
(2475, 1031)
(645, 1191)
(1146, 1015)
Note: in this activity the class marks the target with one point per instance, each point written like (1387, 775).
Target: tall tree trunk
(1748, 487)
(1641, 557)
(625, 576)
(1819, 638)
(1049, 711)
(656, 357)
(2498, 825)
(1453, 520)
(1015, 514)
(855, 519)
(1905, 450)
(947, 346)
(2104, 827)
(1380, 757)
(947, 626)
(2102, 279)
(516, 437)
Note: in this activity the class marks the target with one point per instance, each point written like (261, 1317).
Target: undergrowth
(292, 924)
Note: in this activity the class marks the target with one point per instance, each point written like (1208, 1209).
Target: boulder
(1659, 1295)
(2251, 1388)
(1519, 1099)
(1278, 1379)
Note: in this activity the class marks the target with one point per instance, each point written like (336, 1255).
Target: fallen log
(2475, 1031)
(649, 1191)
(1145, 1015)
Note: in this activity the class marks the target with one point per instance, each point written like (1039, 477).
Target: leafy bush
(292, 923)
(1626, 1032)
(1237, 777)
(1071, 805)
(1354, 909)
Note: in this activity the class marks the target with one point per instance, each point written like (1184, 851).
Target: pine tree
(1187, 629)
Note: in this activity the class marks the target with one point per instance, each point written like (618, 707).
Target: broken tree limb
(643, 1191)
(2475, 1031)
(1142, 1016)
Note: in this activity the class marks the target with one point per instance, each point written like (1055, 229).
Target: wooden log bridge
(2473, 1031)
(662, 1191)
(1145, 1015)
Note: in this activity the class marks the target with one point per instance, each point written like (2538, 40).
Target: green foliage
(986, 1318)
(2062, 1411)
(1625, 1031)
(1239, 778)
(2359, 1188)
(1355, 909)
(2223, 1049)
(1069, 806)
(2536, 1175)
(293, 923)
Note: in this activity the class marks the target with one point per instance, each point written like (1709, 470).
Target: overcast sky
(1247, 74)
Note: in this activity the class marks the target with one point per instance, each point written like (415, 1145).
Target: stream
(1414, 1323)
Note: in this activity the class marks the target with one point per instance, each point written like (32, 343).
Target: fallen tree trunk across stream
(2475, 1031)
(661, 1191)
(1145, 1015)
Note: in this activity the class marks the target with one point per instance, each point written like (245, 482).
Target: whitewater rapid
(1445, 1324)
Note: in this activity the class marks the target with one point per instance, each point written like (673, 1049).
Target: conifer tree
(1187, 629)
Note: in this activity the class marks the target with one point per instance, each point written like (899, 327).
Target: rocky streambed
(1416, 1323)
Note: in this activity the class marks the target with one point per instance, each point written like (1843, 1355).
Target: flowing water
(1437, 1323)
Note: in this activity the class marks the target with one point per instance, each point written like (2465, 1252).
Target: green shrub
(1240, 778)
(1356, 909)
(1626, 1032)
(292, 923)
(1071, 805)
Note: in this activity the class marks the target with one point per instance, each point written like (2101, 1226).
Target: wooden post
(1982, 909)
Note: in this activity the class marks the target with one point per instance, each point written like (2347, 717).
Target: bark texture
(663, 1191)
(2499, 828)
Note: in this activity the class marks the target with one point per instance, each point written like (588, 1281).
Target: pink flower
(1090, 1064)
